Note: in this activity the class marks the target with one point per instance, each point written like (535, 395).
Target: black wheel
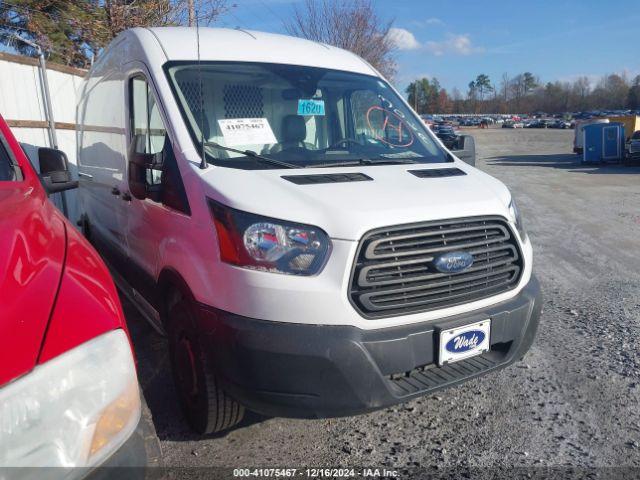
(206, 407)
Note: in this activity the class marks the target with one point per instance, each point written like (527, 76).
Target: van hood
(348, 209)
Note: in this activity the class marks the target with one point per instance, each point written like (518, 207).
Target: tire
(85, 228)
(206, 407)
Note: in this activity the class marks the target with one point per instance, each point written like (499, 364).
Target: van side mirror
(465, 149)
(54, 170)
(139, 163)
(141, 167)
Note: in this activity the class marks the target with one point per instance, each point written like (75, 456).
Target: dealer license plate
(464, 342)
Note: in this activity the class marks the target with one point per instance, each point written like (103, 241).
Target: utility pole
(192, 13)
(415, 96)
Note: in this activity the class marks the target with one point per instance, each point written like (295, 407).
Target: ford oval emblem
(465, 341)
(453, 262)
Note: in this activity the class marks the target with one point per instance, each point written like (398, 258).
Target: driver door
(160, 209)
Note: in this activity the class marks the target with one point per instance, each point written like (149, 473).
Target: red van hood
(32, 251)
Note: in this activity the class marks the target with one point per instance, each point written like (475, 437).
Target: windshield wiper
(363, 162)
(252, 154)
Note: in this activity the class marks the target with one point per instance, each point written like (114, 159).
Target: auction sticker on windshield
(246, 131)
(310, 107)
(464, 342)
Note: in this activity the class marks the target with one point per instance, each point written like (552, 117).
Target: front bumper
(315, 371)
(632, 157)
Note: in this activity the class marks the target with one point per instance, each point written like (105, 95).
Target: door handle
(115, 191)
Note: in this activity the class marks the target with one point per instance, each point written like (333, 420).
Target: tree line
(526, 93)
(73, 32)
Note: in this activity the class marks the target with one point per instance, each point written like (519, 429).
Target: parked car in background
(512, 124)
(470, 122)
(274, 226)
(447, 134)
(540, 123)
(427, 119)
(69, 392)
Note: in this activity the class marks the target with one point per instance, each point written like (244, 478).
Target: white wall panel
(21, 98)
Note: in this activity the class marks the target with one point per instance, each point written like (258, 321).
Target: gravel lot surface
(573, 400)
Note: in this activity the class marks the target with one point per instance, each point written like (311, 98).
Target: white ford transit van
(309, 247)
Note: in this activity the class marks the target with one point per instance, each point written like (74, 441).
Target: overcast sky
(456, 40)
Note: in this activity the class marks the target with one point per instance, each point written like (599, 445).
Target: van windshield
(300, 116)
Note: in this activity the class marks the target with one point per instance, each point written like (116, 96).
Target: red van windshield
(7, 170)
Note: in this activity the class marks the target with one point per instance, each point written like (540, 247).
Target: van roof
(225, 44)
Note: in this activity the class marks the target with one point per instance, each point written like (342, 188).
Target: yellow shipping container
(631, 124)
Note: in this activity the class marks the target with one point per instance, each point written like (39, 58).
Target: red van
(69, 394)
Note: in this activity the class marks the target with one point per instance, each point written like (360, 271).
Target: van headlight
(72, 411)
(262, 243)
(517, 219)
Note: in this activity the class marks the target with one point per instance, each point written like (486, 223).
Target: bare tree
(582, 86)
(580, 90)
(504, 87)
(123, 14)
(353, 25)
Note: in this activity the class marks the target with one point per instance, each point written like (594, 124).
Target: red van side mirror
(54, 170)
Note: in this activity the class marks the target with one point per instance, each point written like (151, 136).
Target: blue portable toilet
(603, 142)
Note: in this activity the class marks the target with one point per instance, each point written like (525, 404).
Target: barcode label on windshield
(246, 131)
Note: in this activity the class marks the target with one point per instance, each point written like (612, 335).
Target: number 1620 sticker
(310, 107)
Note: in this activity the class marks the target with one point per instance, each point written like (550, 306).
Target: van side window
(158, 180)
(147, 128)
(146, 124)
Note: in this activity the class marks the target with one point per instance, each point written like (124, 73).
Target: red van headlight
(73, 411)
(262, 243)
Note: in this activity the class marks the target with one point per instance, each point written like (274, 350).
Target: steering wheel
(279, 147)
(343, 141)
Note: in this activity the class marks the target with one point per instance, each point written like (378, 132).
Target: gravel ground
(573, 401)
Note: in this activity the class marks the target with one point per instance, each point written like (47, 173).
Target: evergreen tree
(633, 97)
(483, 85)
(71, 32)
(68, 31)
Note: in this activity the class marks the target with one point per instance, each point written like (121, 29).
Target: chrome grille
(394, 273)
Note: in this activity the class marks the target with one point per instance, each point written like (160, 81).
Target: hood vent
(327, 178)
(437, 172)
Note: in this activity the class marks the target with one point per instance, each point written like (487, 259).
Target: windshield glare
(303, 116)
